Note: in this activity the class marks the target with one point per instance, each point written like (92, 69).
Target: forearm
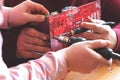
(48, 67)
(117, 30)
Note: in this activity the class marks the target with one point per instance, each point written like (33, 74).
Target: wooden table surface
(101, 73)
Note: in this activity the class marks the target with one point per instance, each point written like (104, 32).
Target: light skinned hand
(99, 31)
(82, 58)
(26, 12)
(32, 43)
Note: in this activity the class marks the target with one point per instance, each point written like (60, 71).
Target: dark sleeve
(110, 10)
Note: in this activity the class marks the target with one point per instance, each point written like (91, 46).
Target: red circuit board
(70, 19)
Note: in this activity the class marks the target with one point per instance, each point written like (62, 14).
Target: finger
(89, 19)
(37, 7)
(36, 34)
(36, 18)
(34, 41)
(95, 20)
(95, 44)
(32, 47)
(91, 35)
(37, 42)
(94, 27)
(35, 48)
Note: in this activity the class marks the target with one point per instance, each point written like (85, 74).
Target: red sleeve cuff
(117, 30)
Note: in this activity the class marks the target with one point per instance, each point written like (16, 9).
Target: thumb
(99, 44)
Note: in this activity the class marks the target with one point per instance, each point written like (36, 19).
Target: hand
(82, 58)
(32, 44)
(99, 31)
(27, 12)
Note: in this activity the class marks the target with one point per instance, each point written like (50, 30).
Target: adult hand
(99, 31)
(32, 43)
(26, 12)
(82, 58)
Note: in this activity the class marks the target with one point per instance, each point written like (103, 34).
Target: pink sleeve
(49, 67)
(5, 11)
(117, 30)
